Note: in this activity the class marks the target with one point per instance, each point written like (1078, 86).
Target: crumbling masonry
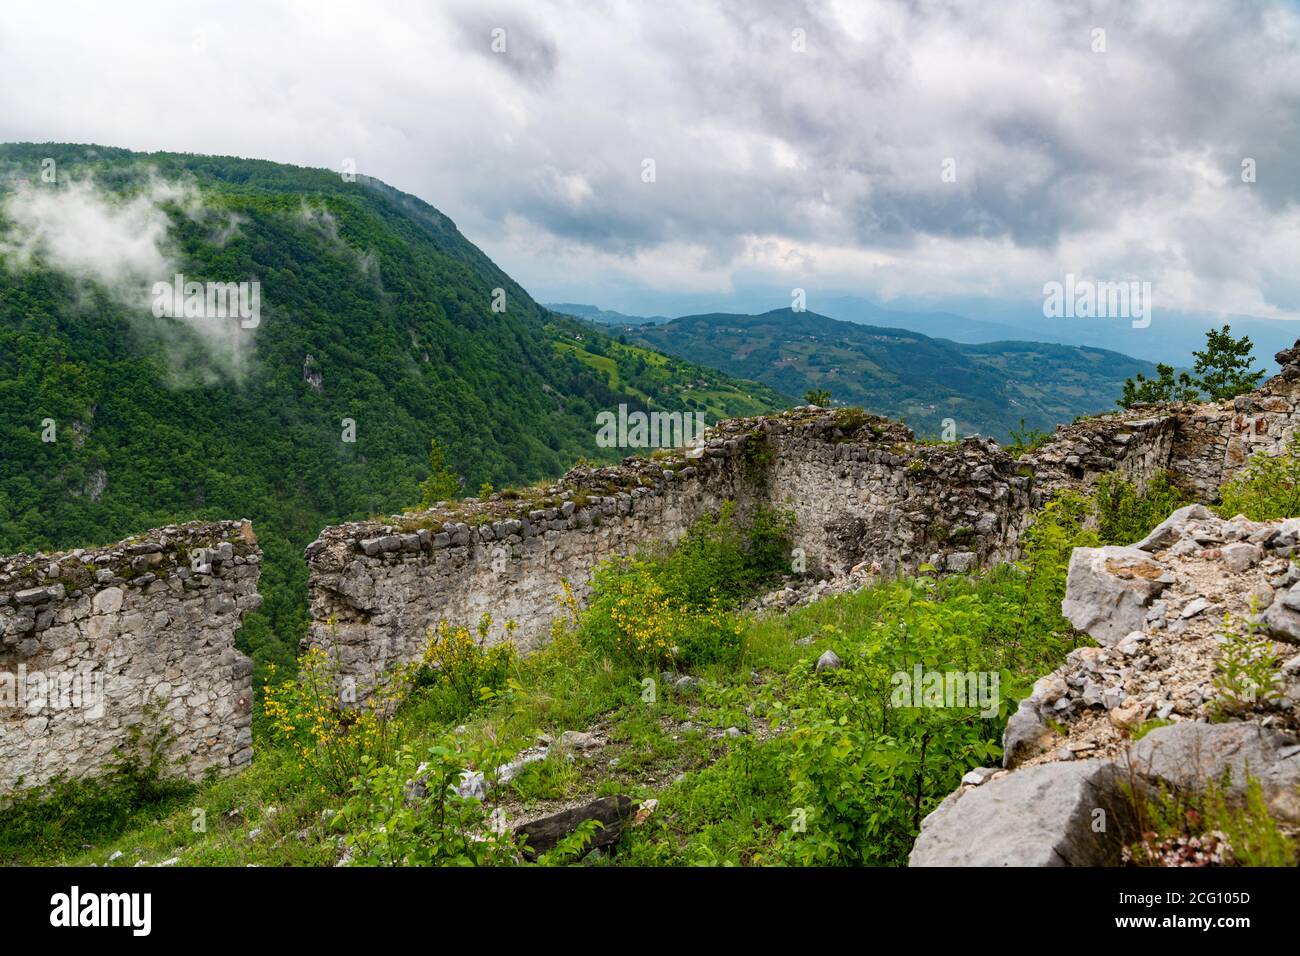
(151, 631)
(864, 493)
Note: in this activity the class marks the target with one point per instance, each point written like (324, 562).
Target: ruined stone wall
(860, 488)
(1200, 444)
(378, 588)
(873, 496)
(138, 634)
(865, 496)
(88, 638)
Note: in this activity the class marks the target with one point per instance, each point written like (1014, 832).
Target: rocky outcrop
(1053, 809)
(1109, 590)
(141, 634)
(1161, 611)
(1081, 813)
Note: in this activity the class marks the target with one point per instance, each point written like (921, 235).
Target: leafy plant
(442, 483)
(1025, 440)
(1267, 489)
(332, 739)
(672, 606)
(410, 813)
(1245, 672)
(1124, 515)
(460, 671)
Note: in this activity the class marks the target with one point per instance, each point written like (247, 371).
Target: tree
(442, 483)
(1224, 366)
(1165, 388)
(1222, 372)
(817, 396)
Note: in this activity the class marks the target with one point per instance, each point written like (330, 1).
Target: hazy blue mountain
(987, 388)
(604, 316)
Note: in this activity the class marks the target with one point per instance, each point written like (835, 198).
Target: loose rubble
(1159, 611)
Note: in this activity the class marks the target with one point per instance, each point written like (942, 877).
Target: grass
(766, 762)
(272, 815)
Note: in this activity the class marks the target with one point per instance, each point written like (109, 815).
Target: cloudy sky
(794, 144)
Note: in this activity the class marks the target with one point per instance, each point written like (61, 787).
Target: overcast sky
(782, 158)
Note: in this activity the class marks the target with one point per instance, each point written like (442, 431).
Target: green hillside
(662, 381)
(906, 375)
(375, 309)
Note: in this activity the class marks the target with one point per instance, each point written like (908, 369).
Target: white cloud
(87, 233)
(121, 243)
(1069, 160)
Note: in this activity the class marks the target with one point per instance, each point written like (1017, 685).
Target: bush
(1124, 516)
(672, 606)
(635, 617)
(1245, 673)
(330, 739)
(459, 672)
(1267, 489)
(1025, 440)
(409, 813)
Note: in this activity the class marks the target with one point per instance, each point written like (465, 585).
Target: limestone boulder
(1054, 814)
(1168, 532)
(1188, 754)
(1109, 589)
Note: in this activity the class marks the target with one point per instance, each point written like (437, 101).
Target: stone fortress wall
(140, 634)
(138, 621)
(863, 491)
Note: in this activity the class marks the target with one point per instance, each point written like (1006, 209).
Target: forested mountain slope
(987, 388)
(377, 323)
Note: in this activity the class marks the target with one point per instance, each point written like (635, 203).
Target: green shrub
(1025, 440)
(1245, 673)
(637, 617)
(408, 813)
(331, 739)
(673, 606)
(458, 672)
(1267, 489)
(1125, 516)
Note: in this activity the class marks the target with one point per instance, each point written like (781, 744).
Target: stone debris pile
(1143, 704)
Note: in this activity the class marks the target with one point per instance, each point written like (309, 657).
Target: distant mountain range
(1171, 337)
(987, 388)
(604, 316)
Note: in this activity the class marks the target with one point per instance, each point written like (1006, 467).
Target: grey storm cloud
(802, 138)
(507, 37)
